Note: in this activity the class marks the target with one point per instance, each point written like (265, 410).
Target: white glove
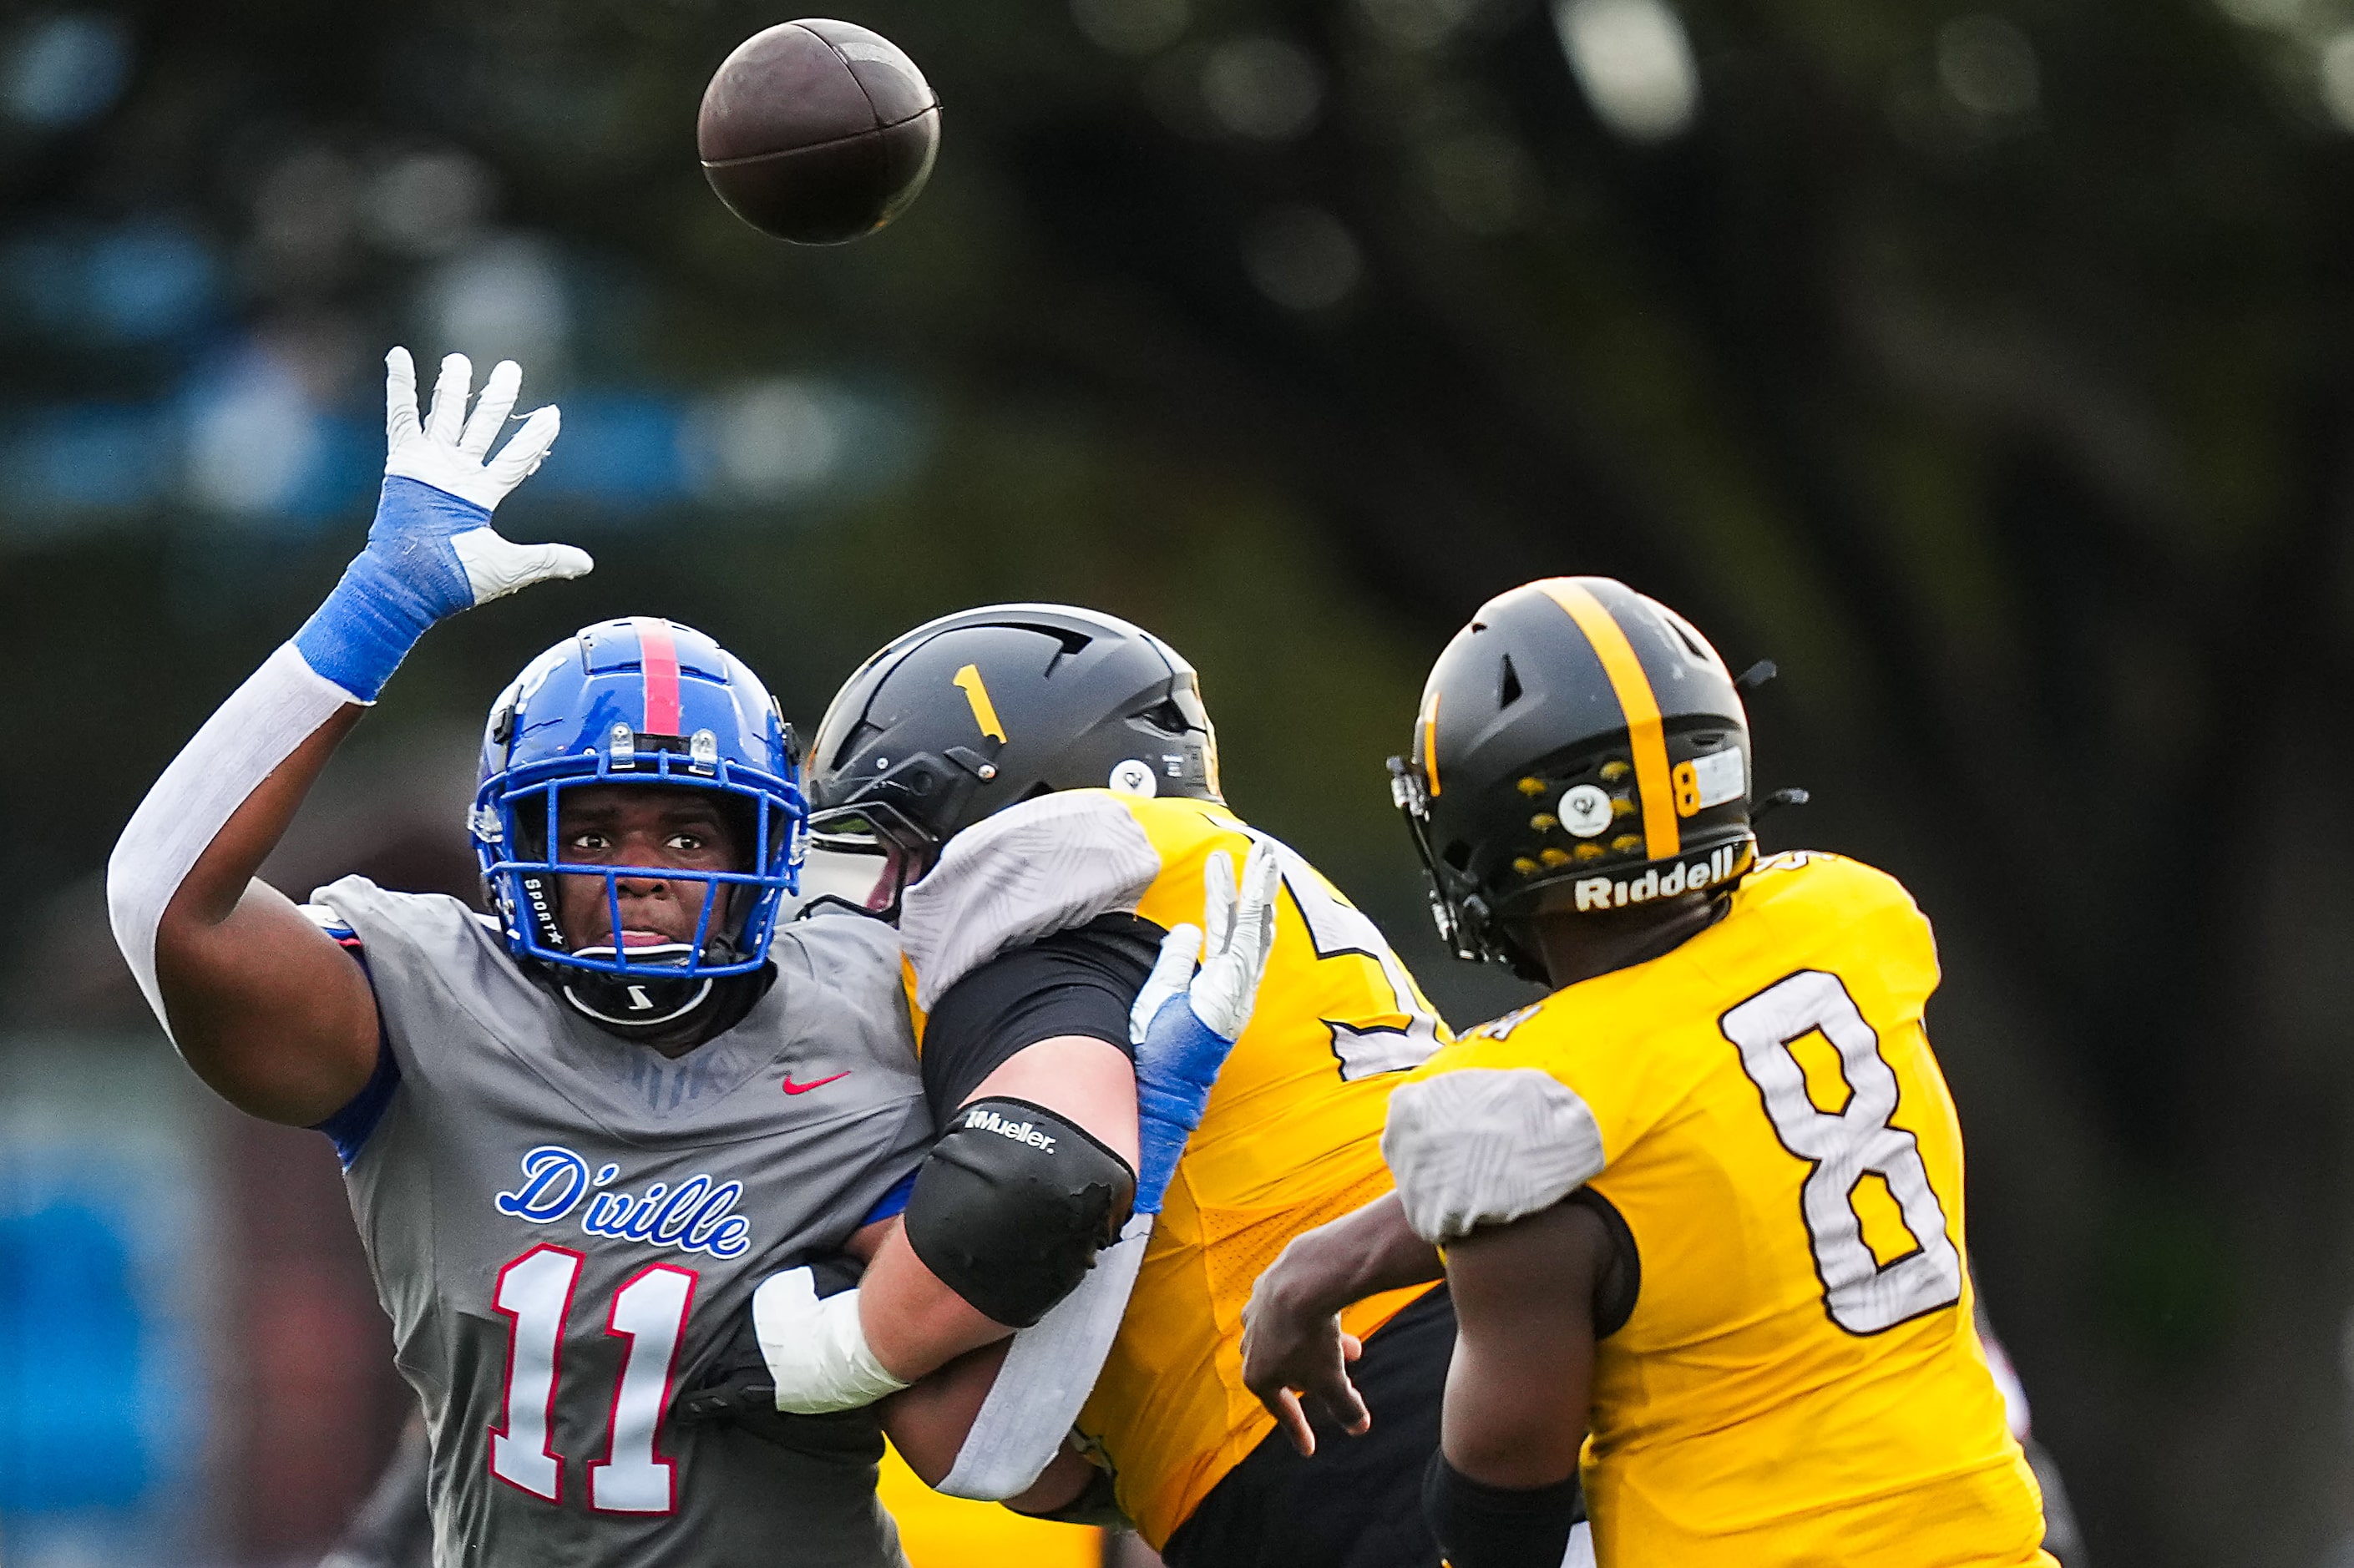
(448, 450)
(1241, 922)
(1186, 1020)
(432, 552)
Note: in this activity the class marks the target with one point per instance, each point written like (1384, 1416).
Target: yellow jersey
(1292, 1132)
(1799, 1380)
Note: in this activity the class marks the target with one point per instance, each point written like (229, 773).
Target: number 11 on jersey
(535, 1295)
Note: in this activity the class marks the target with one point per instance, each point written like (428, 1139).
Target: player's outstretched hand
(449, 448)
(431, 551)
(1186, 1018)
(1295, 1356)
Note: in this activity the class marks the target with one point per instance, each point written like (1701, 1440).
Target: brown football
(818, 131)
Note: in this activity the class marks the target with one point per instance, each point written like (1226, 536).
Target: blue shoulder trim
(349, 1127)
(893, 1202)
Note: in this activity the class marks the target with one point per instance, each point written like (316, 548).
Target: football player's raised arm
(267, 1009)
(264, 1006)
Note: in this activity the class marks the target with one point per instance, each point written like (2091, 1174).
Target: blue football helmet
(638, 701)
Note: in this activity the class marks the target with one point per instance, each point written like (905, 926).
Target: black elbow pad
(1012, 1206)
(1481, 1526)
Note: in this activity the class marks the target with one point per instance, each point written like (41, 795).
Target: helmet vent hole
(1073, 640)
(1166, 716)
(1690, 639)
(1509, 691)
(859, 732)
(1457, 855)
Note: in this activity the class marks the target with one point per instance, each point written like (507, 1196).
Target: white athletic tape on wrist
(816, 1350)
(1049, 1371)
(262, 724)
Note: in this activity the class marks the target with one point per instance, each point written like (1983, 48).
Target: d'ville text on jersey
(694, 1218)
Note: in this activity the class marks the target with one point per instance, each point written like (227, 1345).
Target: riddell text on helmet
(1602, 892)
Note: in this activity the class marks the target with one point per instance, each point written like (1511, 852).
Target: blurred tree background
(1986, 368)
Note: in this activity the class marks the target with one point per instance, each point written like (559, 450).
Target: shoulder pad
(1031, 870)
(1818, 873)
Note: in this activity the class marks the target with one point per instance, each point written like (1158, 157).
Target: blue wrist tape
(1176, 1063)
(406, 578)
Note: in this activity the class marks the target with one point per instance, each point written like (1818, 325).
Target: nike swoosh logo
(793, 1088)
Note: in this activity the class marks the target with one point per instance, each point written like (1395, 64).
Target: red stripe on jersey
(658, 658)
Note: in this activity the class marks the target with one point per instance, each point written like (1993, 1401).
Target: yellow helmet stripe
(1662, 838)
(1429, 739)
(984, 712)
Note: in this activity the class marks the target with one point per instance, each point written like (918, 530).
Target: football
(818, 131)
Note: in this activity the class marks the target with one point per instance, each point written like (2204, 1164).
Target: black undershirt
(1080, 981)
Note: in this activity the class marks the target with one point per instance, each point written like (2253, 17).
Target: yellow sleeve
(915, 1015)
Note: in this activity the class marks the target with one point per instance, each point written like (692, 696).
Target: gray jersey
(565, 1228)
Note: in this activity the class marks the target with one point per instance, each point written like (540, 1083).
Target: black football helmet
(977, 711)
(1580, 747)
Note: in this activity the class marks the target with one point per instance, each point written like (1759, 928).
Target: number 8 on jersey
(1863, 1295)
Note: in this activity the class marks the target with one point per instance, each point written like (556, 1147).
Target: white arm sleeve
(260, 725)
(1048, 1373)
(1484, 1145)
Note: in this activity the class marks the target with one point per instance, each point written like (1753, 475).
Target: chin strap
(648, 1007)
(629, 1002)
(618, 1018)
(728, 999)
